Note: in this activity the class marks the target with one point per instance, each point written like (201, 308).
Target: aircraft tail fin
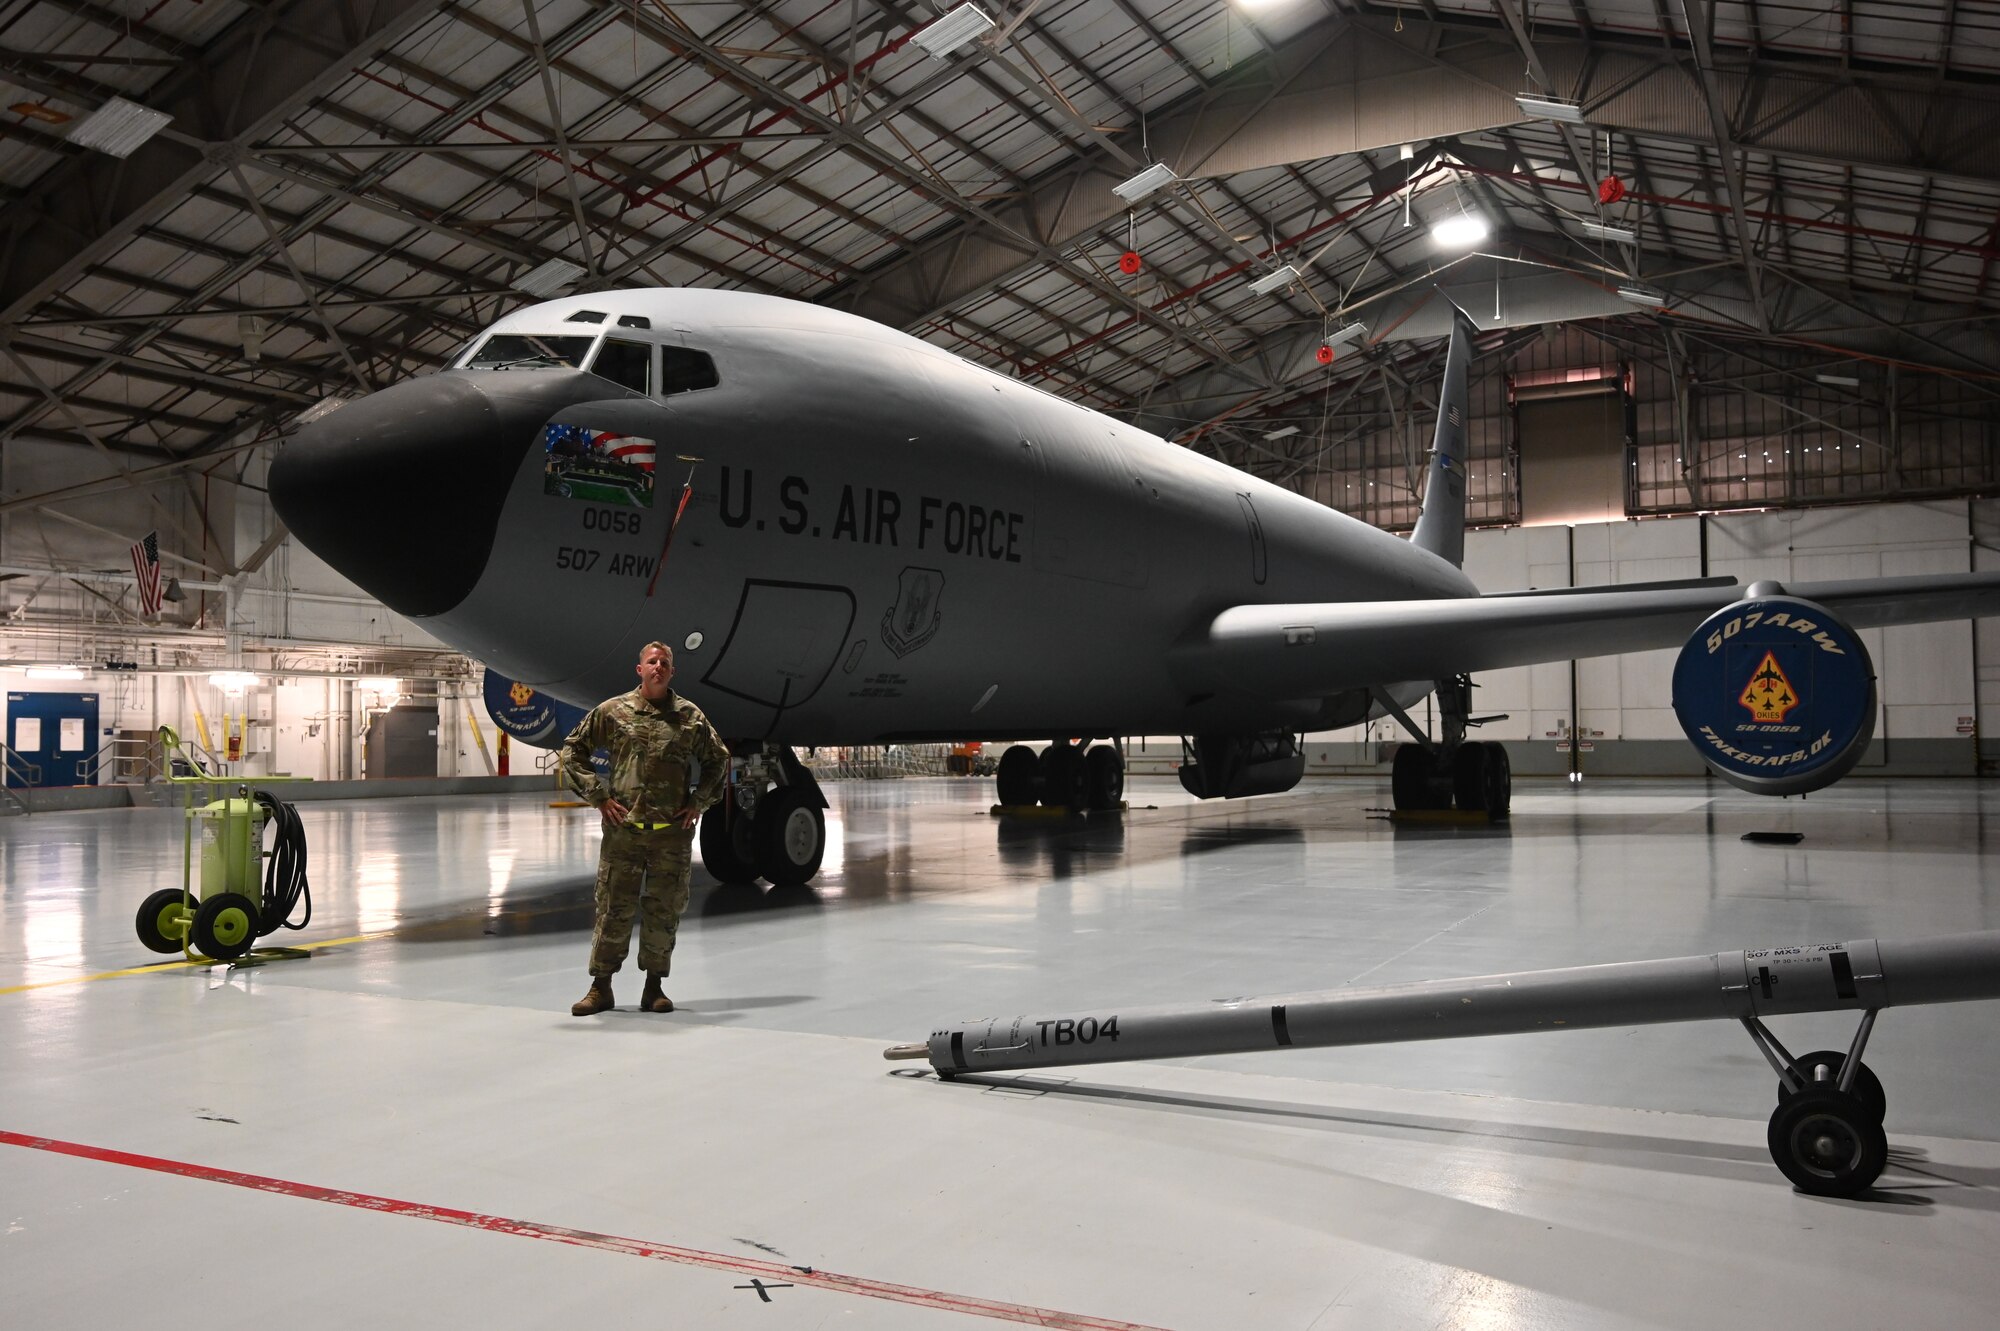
(1441, 525)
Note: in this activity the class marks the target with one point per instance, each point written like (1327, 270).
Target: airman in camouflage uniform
(667, 765)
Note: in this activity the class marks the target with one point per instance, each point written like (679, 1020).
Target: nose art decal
(597, 466)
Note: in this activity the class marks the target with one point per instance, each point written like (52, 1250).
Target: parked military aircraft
(852, 537)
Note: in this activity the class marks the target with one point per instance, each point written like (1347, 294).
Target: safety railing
(19, 770)
(90, 767)
(876, 762)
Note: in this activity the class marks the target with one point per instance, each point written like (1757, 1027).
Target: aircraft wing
(1306, 650)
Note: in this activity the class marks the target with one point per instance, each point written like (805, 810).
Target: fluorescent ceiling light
(379, 684)
(1347, 334)
(1839, 380)
(954, 30)
(1270, 282)
(54, 672)
(118, 127)
(1139, 186)
(1652, 300)
(1617, 234)
(1459, 231)
(1285, 432)
(549, 278)
(1549, 108)
(232, 681)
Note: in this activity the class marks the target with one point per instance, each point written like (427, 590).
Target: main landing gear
(770, 822)
(1474, 775)
(1062, 776)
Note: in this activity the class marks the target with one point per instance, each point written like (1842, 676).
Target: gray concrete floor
(632, 1166)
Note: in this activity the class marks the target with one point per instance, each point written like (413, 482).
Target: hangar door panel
(783, 642)
(1573, 460)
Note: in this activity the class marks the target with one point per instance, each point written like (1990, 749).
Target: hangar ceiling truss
(344, 191)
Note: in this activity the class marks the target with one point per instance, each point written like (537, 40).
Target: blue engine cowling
(1777, 693)
(529, 715)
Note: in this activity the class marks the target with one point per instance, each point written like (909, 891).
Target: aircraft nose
(402, 490)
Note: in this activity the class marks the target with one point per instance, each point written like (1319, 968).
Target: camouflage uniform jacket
(654, 748)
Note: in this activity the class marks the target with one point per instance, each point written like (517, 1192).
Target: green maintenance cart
(245, 892)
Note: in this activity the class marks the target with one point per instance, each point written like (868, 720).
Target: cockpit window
(506, 351)
(683, 370)
(626, 363)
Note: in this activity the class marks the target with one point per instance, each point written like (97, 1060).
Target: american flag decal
(598, 466)
(1451, 412)
(580, 441)
(146, 569)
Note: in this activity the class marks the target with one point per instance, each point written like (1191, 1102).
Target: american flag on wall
(146, 568)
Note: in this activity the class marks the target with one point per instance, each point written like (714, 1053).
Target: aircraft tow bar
(1826, 1135)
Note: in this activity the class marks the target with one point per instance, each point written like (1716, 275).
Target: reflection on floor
(752, 1157)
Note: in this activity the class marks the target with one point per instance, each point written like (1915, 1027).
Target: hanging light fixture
(1139, 186)
(1460, 231)
(1269, 282)
(953, 30)
(1558, 109)
(118, 127)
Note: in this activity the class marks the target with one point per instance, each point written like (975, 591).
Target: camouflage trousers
(642, 873)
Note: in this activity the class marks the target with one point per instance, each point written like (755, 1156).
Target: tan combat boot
(597, 1000)
(652, 1000)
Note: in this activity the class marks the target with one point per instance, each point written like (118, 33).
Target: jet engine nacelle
(1777, 693)
(1233, 766)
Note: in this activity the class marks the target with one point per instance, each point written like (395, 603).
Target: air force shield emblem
(914, 619)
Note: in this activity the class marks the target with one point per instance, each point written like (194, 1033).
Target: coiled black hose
(285, 870)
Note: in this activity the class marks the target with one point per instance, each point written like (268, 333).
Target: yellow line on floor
(180, 965)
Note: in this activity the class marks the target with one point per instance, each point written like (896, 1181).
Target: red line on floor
(583, 1238)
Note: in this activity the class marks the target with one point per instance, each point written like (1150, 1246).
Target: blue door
(53, 737)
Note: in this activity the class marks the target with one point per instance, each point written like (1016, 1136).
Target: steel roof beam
(273, 60)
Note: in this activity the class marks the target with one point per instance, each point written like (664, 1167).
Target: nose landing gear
(770, 822)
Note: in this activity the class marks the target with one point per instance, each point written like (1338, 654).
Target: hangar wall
(1711, 429)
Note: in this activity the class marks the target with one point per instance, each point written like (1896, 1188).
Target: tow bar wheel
(1821, 1070)
(164, 918)
(1828, 1143)
(225, 926)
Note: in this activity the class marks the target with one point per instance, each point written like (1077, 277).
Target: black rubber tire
(1828, 1144)
(225, 926)
(1468, 777)
(152, 921)
(728, 843)
(1499, 783)
(1019, 779)
(1867, 1086)
(1104, 771)
(1065, 778)
(1410, 776)
(791, 835)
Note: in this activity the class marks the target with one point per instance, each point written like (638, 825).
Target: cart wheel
(1828, 1143)
(1822, 1071)
(163, 919)
(225, 926)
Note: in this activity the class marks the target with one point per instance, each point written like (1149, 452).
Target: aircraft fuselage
(882, 541)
